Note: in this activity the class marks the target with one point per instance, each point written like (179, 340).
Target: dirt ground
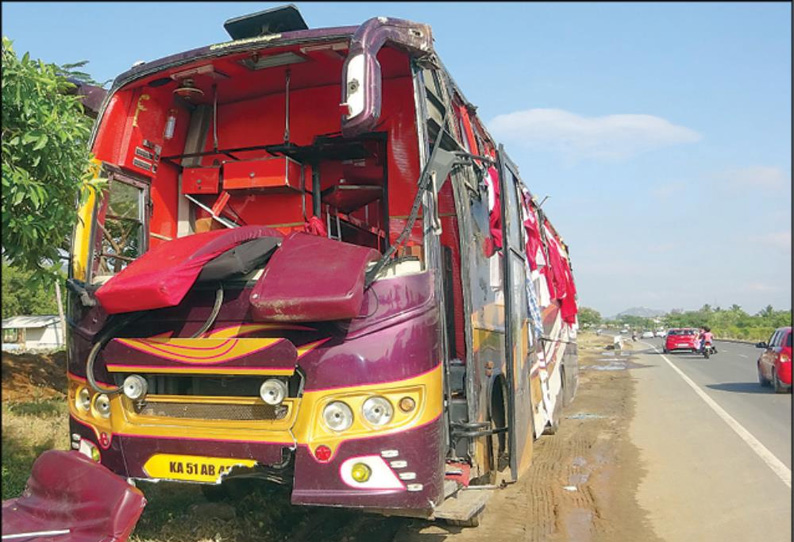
(581, 485)
(30, 377)
(582, 482)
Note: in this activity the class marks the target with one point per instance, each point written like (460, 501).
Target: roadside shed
(32, 333)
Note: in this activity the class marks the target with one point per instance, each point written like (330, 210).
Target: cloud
(755, 177)
(611, 137)
(780, 240)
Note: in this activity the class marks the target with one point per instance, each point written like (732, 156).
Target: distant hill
(639, 311)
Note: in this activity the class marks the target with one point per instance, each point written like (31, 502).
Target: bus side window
(120, 233)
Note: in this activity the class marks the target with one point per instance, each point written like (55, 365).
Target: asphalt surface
(730, 379)
(714, 445)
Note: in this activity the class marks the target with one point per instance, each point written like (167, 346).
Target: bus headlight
(338, 416)
(377, 411)
(83, 400)
(273, 391)
(135, 387)
(102, 405)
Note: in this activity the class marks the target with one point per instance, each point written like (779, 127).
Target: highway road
(730, 379)
(715, 445)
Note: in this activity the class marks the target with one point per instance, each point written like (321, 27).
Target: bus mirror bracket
(361, 74)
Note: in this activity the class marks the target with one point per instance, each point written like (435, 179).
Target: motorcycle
(708, 349)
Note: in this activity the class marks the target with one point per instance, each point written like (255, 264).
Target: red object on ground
(66, 490)
(161, 277)
(312, 278)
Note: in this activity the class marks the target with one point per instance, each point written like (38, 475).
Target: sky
(661, 132)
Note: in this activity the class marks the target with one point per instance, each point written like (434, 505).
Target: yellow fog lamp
(361, 472)
(95, 454)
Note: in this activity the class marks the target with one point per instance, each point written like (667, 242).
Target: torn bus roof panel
(312, 279)
(163, 276)
(68, 493)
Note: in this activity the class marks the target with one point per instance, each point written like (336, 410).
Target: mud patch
(582, 483)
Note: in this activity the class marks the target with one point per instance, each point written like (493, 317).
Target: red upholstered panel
(66, 490)
(161, 277)
(312, 278)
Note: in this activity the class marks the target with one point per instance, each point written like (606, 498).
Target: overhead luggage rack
(277, 174)
(346, 198)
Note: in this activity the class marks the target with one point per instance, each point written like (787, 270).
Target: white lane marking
(782, 471)
(743, 355)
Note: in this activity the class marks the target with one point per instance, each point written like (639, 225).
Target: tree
(22, 296)
(45, 159)
(589, 317)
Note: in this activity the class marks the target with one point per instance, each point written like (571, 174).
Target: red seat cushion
(66, 490)
(312, 279)
(161, 277)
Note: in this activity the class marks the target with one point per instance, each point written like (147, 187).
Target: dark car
(774, 364)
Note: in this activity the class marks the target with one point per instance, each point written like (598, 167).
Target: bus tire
(498, 416)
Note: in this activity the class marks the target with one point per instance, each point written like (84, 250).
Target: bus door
(517, 335)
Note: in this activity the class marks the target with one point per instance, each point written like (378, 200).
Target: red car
(678, 339)
(774, 365)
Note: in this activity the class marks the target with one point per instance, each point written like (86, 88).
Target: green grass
(28, 429)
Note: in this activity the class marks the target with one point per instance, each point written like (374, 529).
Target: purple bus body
(395, 337)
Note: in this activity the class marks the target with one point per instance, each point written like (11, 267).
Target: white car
(647, 334)
(661, 333)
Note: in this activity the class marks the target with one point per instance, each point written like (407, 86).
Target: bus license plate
(192, 468)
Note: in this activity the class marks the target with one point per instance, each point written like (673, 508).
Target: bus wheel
(499, 419)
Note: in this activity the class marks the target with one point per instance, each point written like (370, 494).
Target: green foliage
(637, 322)
(45, 161)
(24, 294)
(732, 323)
(71, 71)
(588, 317)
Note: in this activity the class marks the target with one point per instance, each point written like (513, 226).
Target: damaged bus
(312, 264)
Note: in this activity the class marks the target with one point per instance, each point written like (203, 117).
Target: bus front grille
(206, 411)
